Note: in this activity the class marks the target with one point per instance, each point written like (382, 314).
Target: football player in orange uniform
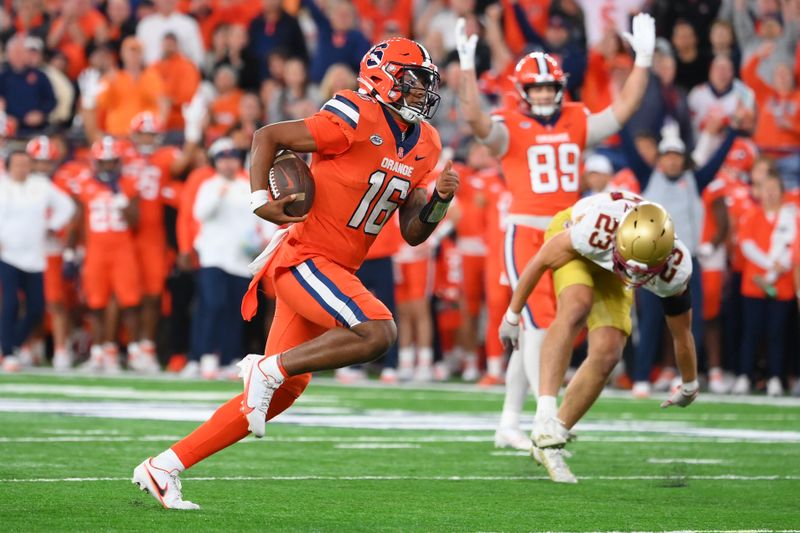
(539, 144)
(373, 153)
(712, 251)
(154, 168)
(109, 209)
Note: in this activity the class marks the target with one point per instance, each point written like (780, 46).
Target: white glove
(683, 395)
(466, 45)
(120, 201)
(90, 86)
(509, 330)
(643, 40)
(194, 116)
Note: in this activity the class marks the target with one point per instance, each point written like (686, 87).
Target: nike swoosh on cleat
(161, 490)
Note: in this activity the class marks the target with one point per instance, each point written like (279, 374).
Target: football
(290, 175)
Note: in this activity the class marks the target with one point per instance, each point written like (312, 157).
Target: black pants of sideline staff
(16, 327)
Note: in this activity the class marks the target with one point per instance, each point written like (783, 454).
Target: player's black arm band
(434, 211)
(677, 304)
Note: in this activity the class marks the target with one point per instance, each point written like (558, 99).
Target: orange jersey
(761, 229)
(379, 24)
(70, 175)
(365, 167)
(105, 224)
(152, 173)
(778, 125)
(713, 192)
(739, 200)
(542, 162)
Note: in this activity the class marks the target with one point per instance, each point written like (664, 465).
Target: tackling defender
(373, 152)
(539, 144)
(599, 250)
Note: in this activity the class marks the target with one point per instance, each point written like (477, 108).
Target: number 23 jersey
(594, 225)
(364, 168)
(542, 161)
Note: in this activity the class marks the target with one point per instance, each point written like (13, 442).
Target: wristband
(512, 317)
(690, 387)
(434, 211)
(643, 60)
(258, 199)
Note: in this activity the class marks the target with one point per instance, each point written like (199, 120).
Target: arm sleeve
(62, 208)
(600, 126)
(743, 27)
(706, 173)
(498, 137)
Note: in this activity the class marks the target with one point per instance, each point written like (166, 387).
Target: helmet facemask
(108, 171)
(539, 109)
(634, 273)
(415, 93)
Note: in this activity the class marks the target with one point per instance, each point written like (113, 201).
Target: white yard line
(378, 446)
(685, 460)
(729, 477)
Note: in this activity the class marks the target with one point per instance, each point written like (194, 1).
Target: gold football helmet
(644, 242)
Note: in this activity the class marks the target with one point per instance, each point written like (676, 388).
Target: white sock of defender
(531, 348)
(425, 356)
(494, 366)
(470, 360)
(405, 357)
(516, 391)
(168, 460)
(546, 407)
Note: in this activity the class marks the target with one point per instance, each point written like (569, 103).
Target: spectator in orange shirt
(778, 128)
(225, 107)
(79, 25)
(766, 237)
(181, 79)
(128, 91)
(382, 19)
(27, 18)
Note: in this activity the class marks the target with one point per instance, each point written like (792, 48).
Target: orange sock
(227, 425)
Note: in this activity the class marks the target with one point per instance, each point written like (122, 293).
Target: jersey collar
(404, 141)
(549, 121)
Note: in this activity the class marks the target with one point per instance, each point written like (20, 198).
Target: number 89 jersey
(542, 162)
(364, 168)
(594, 223)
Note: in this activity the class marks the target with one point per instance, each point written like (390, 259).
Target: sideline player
(373, 152)
(599, 250)
(540, 144)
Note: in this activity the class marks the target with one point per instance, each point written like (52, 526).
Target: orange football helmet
(41, 148)
(537, 69)
(742, 155)
(107, 155)
(399, 73)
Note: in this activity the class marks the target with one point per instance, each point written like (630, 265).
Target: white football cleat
(549, 432)
(641, 390)
(423, 374)
(470, 373)
(259, 386)
(508, 437)
(164, 486)
(552, 459)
